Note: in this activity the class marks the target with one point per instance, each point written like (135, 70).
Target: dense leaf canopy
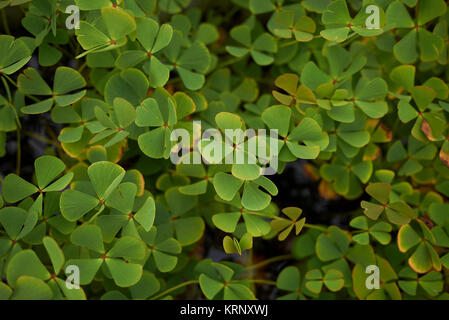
(365, 109)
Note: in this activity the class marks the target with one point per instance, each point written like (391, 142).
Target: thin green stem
(8, 92)
(229, 62)
(64, 50)
(181, 285)
(350, 39)
(32, 98)
(96, 214)
(40, 138)
(81, 68)
(19, 153)
(250, 263)
(311, 226)
(268, 261)
(15, 85)
(187, 283)
(262, 281)
(286, 44)
(10, 80)
(5, 22)
(231, 13)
